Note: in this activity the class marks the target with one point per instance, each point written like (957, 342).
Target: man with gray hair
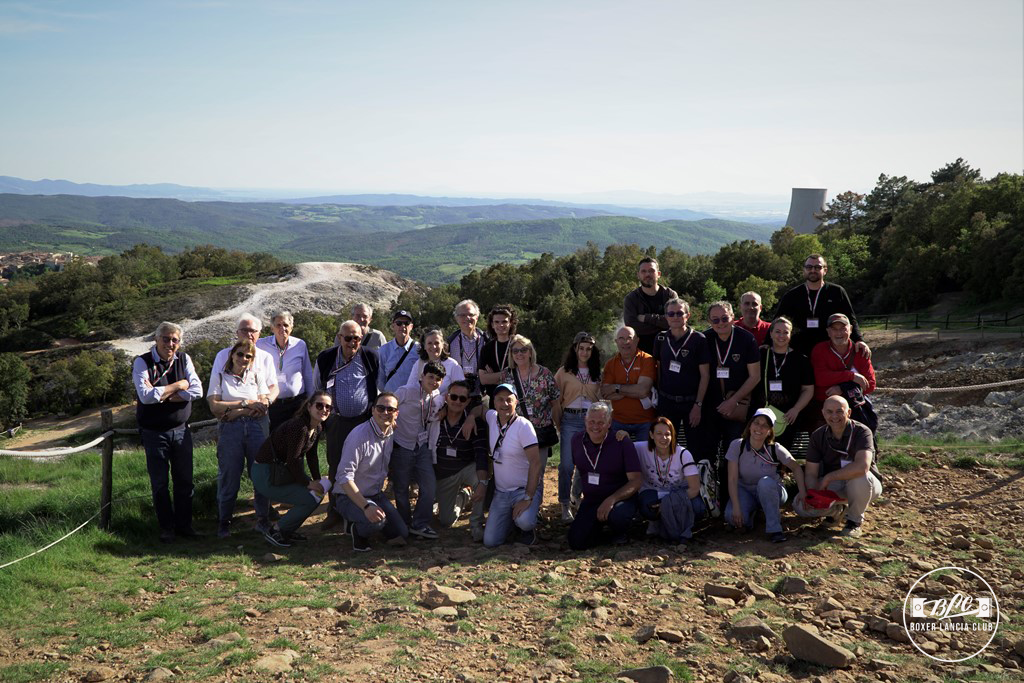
(348, 373)
(750, 317)
(248, 329)
(610, 472)
(467, 344)
(362, 313)
(294, 371)
(166, 383)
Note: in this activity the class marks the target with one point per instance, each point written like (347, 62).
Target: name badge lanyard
(424, 410)
(522, 394)
(722, 358)
(463, 358)
(817, 295)
(764, 457)
(280, 355)
(849, 440)
(664, 476)
(501, 434)
(675, 353)
(843, 359)
(593, 461)
(170, 366)
(778, 371)
(631, 364)
(448, 432)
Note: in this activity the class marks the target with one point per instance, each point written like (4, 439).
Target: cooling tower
(805, 206)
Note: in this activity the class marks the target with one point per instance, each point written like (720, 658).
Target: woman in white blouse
(433, 347)
(239, 398)
(670, 495)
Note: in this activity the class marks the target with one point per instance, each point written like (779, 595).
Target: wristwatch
(699, 404)
(368, 504)
(618, 388)
(245, 403)
(485, 482)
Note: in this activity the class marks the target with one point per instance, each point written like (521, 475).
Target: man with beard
(644, 307)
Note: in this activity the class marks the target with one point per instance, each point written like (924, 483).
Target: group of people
(471, 418)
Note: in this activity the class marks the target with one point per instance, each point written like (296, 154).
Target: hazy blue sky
(516, 98)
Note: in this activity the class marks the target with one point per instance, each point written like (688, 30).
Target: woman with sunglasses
(536, 392)
(579, 386)
(238, 398)
(293, 440)
(754, 479)
(433, 347)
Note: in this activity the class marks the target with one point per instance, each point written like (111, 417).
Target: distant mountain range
(658, 207)
(430, 243)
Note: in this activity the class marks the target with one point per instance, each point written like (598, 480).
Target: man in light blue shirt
(398, 355)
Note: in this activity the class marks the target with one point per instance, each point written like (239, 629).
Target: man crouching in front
(517, 472)
(361, 475)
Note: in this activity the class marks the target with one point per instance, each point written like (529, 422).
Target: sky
(548, 98)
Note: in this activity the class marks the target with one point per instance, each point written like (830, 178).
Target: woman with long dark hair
(278, 472)
(579, 385)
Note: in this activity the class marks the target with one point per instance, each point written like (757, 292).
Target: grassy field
(124, 600)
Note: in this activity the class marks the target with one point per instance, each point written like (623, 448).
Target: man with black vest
(348, 373)
(166, 384)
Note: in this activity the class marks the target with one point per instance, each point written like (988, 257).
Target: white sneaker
(652, 528)
(567, 513)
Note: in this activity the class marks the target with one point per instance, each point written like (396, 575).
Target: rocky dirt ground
(720, 607)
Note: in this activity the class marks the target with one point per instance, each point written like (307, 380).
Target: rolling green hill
(433, 244)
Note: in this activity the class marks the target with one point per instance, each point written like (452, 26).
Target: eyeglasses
(623, 340)
(521, 349)
(248, 330)
(386, 409)
(403, 323)
(675, 314)
(320, 405)
(459, 398)
(243, 355)
(352, 337)
(808, 267)
(719, 321)
(170, 340)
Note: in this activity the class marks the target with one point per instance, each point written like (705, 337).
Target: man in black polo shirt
(459, 462)
(683, 373)
(841, 458)
(810, 304)
(166, 383)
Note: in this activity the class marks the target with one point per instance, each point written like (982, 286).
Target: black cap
(402, 314)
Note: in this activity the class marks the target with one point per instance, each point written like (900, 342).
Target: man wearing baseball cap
(840, 367)
(398, 355)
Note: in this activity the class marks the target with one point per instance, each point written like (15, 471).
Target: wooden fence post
(107, 480)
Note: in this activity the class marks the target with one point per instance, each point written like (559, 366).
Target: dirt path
(54, 432)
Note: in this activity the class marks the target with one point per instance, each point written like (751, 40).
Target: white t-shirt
(263, 363)
(453, 372)
(511, 466)
(232, 388)
(663, 479)
(415, 412)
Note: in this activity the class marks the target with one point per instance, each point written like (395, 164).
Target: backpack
(709, 487)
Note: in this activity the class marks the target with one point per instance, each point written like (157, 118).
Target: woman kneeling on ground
(293, 440)
(754, 478)
(670, 495)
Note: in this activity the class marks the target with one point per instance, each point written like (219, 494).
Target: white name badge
(646, 403)
(722, 373)
(674, 366)
(330, 383)
(422, 437)
(496, 456)
(812, 323)
(451, 452)
(775, 386)
(844, 463)
(594, 478)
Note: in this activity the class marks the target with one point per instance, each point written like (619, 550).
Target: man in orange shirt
(626, 382)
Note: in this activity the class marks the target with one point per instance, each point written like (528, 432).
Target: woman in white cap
(754, 480)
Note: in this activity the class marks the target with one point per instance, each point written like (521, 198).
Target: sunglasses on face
(352, 337)
(675, 314)
(248, 330)
(719, 321)
(170, 340)
(458, 398)
(320, 405)
(386, 409)
(403, 323)
(243, 355)
(521, 349)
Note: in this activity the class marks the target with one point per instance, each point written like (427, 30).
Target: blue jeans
(405, 467)
(173, 449)
(585, 530)
(297, 496)
(391, 526)
(499, 519)
(770, 494)
(237, 444)
(675, 523)
(572, 424)
(637, 432)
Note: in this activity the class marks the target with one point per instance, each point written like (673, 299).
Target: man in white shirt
(517, 472)
(292, 365)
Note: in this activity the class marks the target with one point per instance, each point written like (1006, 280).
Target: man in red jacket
(839, 360)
